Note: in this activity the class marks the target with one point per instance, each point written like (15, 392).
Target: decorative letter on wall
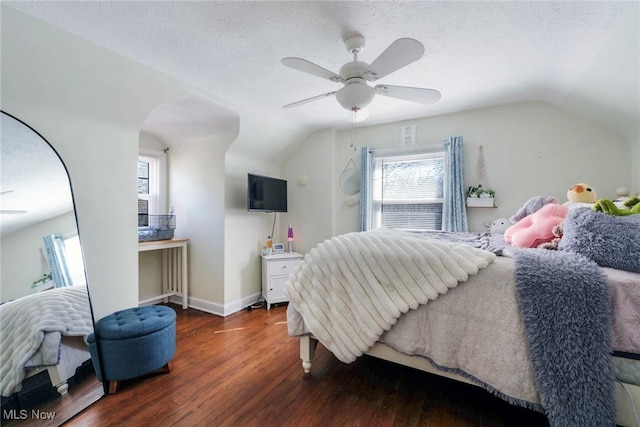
(408, 135)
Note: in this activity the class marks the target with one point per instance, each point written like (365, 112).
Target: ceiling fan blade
(400, 53)
(12, 212)
(306, 101)
(413, 94)
(311, 68)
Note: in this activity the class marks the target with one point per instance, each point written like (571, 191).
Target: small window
(73, 256)
(151, 185)
(408, 191)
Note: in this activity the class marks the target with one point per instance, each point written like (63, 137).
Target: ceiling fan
(356, 93)
(10, 211)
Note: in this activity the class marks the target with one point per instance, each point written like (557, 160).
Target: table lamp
(290, 238)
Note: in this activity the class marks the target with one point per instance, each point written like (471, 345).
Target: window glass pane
(412, 180)
(143, 177)
(143, 213)
(151, 184)
(73, 257)
(408, 191)
(412, 217)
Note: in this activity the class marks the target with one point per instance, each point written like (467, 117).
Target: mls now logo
(14, 414)
(23, 414)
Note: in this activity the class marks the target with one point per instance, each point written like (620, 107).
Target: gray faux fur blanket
(567, 317)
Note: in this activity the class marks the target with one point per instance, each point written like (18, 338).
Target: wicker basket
(161, 227)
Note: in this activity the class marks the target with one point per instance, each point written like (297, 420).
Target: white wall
(90, 104)
(258, 149)
(246, 231)
(311, 212)
(21, 261)
(197, 193)
(40, 82)
(529, 149)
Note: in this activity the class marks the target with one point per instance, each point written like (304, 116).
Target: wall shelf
(480, 202)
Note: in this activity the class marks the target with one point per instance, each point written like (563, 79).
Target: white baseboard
(217, 309)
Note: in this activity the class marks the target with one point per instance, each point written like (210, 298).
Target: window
(151, 185)
(73, 256)
(408, 190)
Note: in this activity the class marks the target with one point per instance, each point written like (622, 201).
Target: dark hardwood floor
(244, 370)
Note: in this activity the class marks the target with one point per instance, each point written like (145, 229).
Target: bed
(44, 331)
(554, 331)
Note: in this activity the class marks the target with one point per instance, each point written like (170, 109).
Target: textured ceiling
(477, 53)
(32, 176)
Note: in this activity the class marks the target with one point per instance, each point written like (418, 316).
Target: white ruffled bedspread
(31, 328)
(360, 284)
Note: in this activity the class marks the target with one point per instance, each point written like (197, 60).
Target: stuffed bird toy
(581, 193)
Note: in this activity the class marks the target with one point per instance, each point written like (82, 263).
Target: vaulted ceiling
(580, 55)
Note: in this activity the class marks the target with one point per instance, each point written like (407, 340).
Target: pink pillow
(536, 228)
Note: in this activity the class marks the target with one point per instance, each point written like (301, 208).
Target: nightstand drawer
(280, 267)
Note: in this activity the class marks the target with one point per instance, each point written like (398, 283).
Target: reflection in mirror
(45, 313)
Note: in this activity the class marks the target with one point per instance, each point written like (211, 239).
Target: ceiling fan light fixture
(355, 96)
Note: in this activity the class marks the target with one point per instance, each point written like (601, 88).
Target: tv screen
(265, 194)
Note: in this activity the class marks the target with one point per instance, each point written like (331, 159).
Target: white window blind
(408, 191)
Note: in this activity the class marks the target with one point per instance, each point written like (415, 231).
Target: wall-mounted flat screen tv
(265, 194)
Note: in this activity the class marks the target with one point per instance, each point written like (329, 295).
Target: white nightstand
(275, 272)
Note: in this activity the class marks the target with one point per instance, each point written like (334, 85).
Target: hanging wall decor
(350, 179)
(408, 135)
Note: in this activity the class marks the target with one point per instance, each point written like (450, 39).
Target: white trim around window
(157, 197)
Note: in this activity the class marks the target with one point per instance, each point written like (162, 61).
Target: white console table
(174, 268)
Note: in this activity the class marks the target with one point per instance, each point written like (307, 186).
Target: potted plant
(479, 196)
(43, 283)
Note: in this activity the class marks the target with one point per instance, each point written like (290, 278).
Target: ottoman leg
(168, 367)
(113, 387)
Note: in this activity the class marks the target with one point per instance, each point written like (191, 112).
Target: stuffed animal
(532, 205)
(499, 226)
(609, 207)
(553, 244)
(536, 228)
(581, 193)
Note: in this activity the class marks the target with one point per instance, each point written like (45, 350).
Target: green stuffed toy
(608, 207)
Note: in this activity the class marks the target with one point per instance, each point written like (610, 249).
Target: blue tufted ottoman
(132, 343)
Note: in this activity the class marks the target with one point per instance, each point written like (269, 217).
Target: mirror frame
(75, 215)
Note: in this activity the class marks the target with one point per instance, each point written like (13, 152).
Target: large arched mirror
(45, 312)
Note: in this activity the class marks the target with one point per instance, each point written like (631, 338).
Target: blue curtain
(454, 214)
(54, 245)
(366, 169)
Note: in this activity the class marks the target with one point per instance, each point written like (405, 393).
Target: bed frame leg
(307, 349)
(63, 388)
